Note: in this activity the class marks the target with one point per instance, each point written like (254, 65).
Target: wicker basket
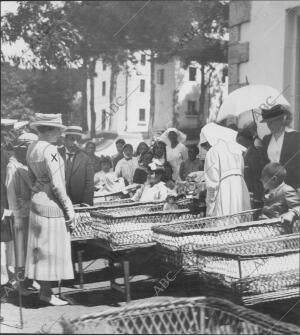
(84, 228)
(256, 271)
(83, 225)
(181, 316)
(171, 239)
(133, 226)
(113, 203)
(109, 197)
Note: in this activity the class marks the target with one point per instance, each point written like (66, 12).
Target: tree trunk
(113, 91)
(202, 95)
(92, 68)
(152, 95)
(84, 123)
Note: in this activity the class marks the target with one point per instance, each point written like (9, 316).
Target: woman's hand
(70, 222)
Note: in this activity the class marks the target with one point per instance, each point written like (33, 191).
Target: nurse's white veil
(213, 133)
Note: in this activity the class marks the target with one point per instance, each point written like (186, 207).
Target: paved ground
(97, 297)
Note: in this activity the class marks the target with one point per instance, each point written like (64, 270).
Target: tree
(16, 102)
(158, 31)
(77, 33)
(207, 44)
(52, 92)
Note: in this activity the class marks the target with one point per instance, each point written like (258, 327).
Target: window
(103, 66)
(103, 88)
(103, 119)
(143, 59)
(142, 85)
(192, 73)
(142, 114)
(161, 76)
(191, 110)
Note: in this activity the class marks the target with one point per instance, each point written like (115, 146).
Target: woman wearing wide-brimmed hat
(51, 211)
(177, 152)
(283, 144)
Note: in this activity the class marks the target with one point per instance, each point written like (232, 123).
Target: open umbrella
(246, 103)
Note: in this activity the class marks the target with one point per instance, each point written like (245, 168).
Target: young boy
(282, 199)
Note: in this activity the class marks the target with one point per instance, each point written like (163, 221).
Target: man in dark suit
(79, 168)
(283, 144)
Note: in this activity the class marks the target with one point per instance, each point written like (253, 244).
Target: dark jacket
(140, 176)
(289, 156)
(96, 161)
(79, 178)
(255, 160)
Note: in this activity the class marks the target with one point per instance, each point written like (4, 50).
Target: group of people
(161, 165)
(41, 182)
(243, 172)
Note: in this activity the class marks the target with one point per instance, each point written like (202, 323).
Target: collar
(278, 187)
(70, 153)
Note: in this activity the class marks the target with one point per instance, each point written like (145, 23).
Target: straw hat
(51, 120)
(74, 130)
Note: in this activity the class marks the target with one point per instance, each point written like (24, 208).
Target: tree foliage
(16, 102)
(76, 33)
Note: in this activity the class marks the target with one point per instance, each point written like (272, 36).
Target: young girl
(106, 181)
(154, 189)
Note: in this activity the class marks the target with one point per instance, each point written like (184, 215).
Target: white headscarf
(213, 133)
(180, 136)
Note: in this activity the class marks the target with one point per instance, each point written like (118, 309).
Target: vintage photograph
(150, 167)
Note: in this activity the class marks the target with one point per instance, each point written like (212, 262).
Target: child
(192, 164)
(282, 200)
(126, 166)
(170, 203)
(106, 181)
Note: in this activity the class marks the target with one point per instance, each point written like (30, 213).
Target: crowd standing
(41, 181)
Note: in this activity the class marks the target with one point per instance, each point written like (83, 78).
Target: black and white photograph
(150, 167)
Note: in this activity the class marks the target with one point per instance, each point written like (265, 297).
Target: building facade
(264, 48)
(177, 95)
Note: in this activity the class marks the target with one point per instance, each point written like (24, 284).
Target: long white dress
(227, 192)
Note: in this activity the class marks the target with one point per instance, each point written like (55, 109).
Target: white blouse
(275, 147)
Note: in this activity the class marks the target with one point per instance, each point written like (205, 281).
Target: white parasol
(246, 103)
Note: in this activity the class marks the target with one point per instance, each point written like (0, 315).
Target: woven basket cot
(113, 203)
(172, 238)
(254, 271)
(199, 315)
(109, 197)
(84, 222)
(128, 229)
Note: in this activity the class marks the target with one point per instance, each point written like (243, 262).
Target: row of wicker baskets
(182, 238)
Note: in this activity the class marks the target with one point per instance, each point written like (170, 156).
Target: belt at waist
(46, 205)
(232, 172)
